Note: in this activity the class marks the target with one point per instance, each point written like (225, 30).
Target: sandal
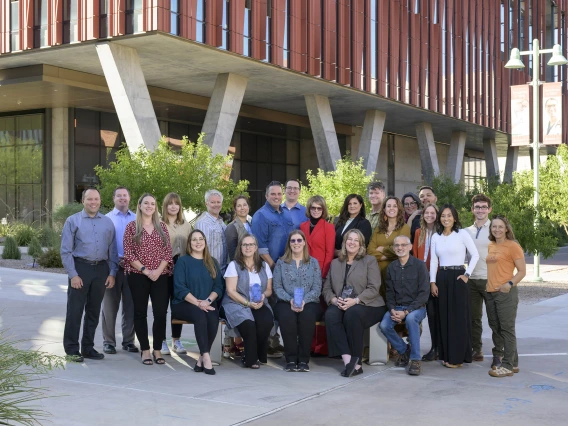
(160, 361)
(146, 361)
(448, 365)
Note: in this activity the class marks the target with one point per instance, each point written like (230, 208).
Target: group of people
(288, 269)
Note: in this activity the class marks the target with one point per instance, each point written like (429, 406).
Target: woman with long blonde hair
(148, 263)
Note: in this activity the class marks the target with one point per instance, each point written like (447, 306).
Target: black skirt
(454, 317)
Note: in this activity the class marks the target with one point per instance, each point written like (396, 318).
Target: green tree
(350, 177)
(190, 172)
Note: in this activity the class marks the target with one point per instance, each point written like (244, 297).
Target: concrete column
(491, 160)
(125, 80)
(323, 131)
(223, 112)
(59, 157)
(428, 155)
(511, 163)
(371, 139)
(454, 165)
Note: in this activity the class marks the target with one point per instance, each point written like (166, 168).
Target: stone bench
(217, 347)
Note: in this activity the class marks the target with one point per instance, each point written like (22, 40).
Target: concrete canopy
(172, 63)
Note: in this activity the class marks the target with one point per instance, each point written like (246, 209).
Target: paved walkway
(120, 390)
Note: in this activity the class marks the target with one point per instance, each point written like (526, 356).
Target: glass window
(286, 40)
(200, 21)
(40, 23)
(174, 17)
(103, 18)
(247, 29)
(70, 21)
(134, 16)
(14, 26)
(225, 25)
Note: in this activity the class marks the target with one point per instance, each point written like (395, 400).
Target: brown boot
(477, 356)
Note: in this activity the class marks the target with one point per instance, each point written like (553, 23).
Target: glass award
(255, 292)
(347, 291)
(298, 297)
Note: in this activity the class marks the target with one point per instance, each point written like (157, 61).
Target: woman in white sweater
(448, 282)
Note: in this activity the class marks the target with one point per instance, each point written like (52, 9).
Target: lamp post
(516, 63)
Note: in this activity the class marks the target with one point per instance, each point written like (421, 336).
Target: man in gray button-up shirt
(89, 255)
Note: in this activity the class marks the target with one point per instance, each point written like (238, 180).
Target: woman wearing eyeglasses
(297, 285)
(503, 257)
(248, 281)
(410, 202)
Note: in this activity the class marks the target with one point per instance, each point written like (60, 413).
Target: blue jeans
(412, 321)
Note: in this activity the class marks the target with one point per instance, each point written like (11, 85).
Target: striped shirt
(214, 230)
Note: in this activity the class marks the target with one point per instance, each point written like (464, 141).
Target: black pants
(143, 288)
(255, 335)
(204, 323)
(345, 329)
(297, 329)
(176, 328)
(433, 322)
(86, 299)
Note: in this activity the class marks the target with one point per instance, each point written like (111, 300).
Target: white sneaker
(165, 349)
(178, 348)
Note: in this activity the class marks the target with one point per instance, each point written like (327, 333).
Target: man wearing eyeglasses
(296, 210)
(479, 231)
(427, 196)
(407, 292)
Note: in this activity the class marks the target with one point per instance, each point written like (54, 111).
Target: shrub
(49, 237)
(34, 249)
(61, 213)
(51, 259)
(23, 233)
(11, 249)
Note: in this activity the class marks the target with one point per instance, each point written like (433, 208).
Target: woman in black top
(352, 216)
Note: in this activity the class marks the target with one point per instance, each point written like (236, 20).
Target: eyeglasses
(197, 240)
(400, 245)
(292, 188)
(317, 209)
(413, 203)
(480, 207)
(249, 245)
(296, 241)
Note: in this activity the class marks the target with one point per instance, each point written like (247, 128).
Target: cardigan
(418, 251)
(364, 276)
(287, 277)
(321, 243)
(233, 233)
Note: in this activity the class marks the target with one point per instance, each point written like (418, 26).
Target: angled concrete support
(223, 112)
(454, 165)
(370, 143)
(511, 163)
(491, 159)
(428, 155)
(323, 131)
(129, 92)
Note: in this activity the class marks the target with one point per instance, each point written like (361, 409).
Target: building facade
(414, 87)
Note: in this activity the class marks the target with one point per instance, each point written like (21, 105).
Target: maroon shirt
(151, 251)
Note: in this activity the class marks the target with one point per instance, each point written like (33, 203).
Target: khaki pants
(502, 314)
(477, 294)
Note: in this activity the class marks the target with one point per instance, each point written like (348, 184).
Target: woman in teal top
(198, 283)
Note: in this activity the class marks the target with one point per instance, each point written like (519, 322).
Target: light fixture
(557, 57)
(515, 61)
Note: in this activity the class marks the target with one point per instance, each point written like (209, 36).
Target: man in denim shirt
(407, 285)
(271, 225)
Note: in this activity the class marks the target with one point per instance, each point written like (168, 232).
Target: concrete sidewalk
(120, 390)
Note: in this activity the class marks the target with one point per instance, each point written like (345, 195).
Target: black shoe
(92, 354)
(402, 360)
(350, 368)
(198, 368)
(109, 349)
(357, 372)
(431, 356)
(303, 367)
(414, 368)
(291, 367)
(131, 347)
(75, 357)
(210, 371)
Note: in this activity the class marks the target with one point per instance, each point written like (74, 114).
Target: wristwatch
(209, 300)
(510, 283)
(142, 269)
(467, 275)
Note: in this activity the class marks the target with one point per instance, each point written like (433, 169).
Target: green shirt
(191, 276)
(374, 219)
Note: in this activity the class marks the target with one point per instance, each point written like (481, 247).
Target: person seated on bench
(249, 284)
(351, 290)
(407, 293)
(297, 285)
(198, 283)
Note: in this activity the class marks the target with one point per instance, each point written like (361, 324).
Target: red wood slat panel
(117, 17)
(447, 107)
(383, 47)
(55, 19)
(214, 22)
(4, 27)
(258, 30)
(329, 40)
(89, 19)
(477, 33)
(458, 62)
(394, 50)
(472, 72)
(314, 32)
(484, 27)
(343, 41)
(367, 47)
(357, 43)
(415, 55)
(298, 37)
(423, 66)
(277, 31)
(156, 15)
(434, 70)
(188, 12)
(26, 25)
(236, 26)
(493, 12)
(403, 52)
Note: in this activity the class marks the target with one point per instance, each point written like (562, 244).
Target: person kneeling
(407, 288)
(198, 283)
